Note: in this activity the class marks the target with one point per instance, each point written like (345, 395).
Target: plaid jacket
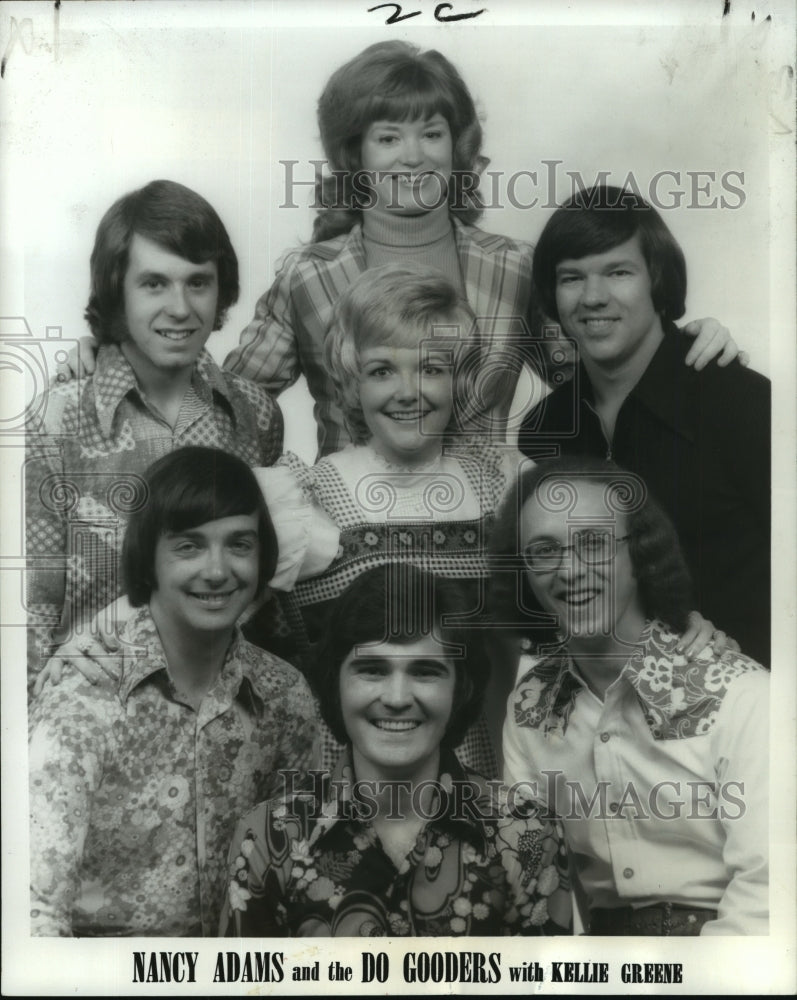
(286, 336)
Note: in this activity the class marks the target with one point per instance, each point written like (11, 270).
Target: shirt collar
(468, 813)
(114, 379)
(678, 696)
(143, 657)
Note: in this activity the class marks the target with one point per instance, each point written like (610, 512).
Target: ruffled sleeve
(307, 538)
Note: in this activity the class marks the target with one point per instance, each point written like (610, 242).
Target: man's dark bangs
(179, 230)
(595, 231)
(193, 504)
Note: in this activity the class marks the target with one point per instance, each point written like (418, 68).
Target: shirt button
(628, 872)
(614, 806)
(604, 737)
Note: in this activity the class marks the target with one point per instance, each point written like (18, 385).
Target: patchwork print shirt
(87, 449)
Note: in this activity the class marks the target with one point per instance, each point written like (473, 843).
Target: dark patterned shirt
(134, 795)
(310, 864)
(87, 449)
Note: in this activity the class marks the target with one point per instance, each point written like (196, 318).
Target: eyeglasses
(593, 548)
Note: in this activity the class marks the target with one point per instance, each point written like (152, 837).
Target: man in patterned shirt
(135, 786)
(655, 758)
(163, 274)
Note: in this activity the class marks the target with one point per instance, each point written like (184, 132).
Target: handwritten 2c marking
(398, 14)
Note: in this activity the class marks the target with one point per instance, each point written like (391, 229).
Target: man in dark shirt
(610, 272)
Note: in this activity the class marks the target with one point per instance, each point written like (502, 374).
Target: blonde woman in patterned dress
(413, 487)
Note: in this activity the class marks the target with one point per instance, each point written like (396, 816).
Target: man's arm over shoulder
(267, 352)
(67, 748)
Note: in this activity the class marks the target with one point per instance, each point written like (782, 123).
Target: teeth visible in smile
(175, 334)
(395, 725)
(213, 598)
(409, 415)
(596, 325)
(582, 597)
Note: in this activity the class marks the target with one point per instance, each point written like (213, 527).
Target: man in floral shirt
(656, 759)
(135, 786)
(400, 839)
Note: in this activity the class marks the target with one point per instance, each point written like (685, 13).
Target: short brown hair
(177, 219)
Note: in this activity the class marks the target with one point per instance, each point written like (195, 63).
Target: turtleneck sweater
(426, 239)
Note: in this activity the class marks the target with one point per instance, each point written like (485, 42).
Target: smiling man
(656, 760)
(163, 274)
(400, 839)
(609, 271)
(135, 786)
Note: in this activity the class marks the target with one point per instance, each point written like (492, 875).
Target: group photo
(398, 491)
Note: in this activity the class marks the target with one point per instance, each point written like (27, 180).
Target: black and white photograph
(398, 497)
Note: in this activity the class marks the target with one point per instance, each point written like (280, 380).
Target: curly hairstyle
(393, 81)
(177, 219)
(601, 218)
(400, 603)
(186, 488)
(403, 305)
(663, 582)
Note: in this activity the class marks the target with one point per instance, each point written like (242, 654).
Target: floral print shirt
(662, 786)
(310, 864)
(134, 795)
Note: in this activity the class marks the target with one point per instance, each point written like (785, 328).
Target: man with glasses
(656, 760)
(609, 271)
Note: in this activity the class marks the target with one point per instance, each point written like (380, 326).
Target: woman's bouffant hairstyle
(186, 488)
(393, 81)
(399, 603)
(178, 220)
(401, 305)
(660, 571)
(599, 219)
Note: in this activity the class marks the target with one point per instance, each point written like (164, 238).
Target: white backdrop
(99, 98)
(215, 97)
